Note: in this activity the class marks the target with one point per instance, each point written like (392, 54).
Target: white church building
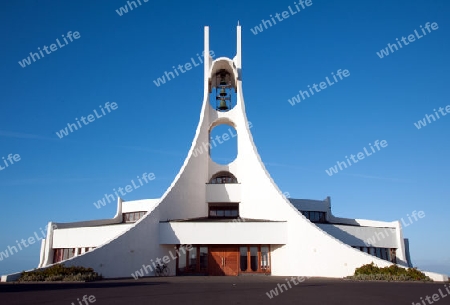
(225, 219)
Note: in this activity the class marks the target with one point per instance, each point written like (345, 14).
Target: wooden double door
(223, 260)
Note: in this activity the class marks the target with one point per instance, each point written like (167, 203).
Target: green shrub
(60, 273)
(392, 273)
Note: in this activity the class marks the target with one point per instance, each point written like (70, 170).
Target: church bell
(223, 105)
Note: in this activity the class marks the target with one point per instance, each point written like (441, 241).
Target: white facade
(332, 248)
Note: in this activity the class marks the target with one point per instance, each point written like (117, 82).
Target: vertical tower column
(238, 58)
(206, 56)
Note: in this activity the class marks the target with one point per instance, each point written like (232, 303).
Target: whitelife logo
(27, 61)
(360, 156)
(411, 38)
(284, 15)
(90, 118)
(128, 189)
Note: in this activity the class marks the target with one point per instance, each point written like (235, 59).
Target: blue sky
(117, 58)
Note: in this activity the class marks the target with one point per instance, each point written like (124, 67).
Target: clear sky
(116, 58)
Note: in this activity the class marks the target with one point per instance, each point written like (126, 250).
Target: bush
(60, 273)
(391, 273)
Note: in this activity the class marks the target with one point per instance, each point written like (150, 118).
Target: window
(315, 216)
(378, 252)
(132, 216)
(223, 177)
(192, 259)
(383, 253)
(57, 255)
(223, 210)
(203, 258)
(264, 257)
(181, 260)
(63, 254)
(393, 256)
(254, 258)
(243, 258)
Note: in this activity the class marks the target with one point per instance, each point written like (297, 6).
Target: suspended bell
(223, 105)
(223, 92)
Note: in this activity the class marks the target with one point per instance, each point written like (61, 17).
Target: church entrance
(224, 260)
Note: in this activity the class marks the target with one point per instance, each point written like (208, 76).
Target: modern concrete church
(225, 219)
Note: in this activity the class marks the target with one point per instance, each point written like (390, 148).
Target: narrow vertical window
(264, 257)
(378, 252)
(193, 259)
(243, 258)
(181, 260)
(203, 258)
(254, 258)
(393, 256)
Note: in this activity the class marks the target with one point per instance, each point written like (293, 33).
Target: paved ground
(222, 290)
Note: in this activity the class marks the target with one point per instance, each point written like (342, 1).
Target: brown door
(223, 261)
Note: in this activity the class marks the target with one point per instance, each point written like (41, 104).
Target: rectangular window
(192, 259)
(322, 217)
(132, 216)
(203, 258)
(393, 256)
(66, 254)
(243, 258)
(264, 257)
(254, 258)
(224, 210)
(181, 260)
(58, 255)
(315, 216)
(378, 252)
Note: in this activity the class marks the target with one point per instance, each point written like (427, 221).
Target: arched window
(223, 177)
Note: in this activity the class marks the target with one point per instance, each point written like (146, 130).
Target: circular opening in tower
(223, 97)
(223, 144)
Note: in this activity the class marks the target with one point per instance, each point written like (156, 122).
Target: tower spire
(238, 58)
